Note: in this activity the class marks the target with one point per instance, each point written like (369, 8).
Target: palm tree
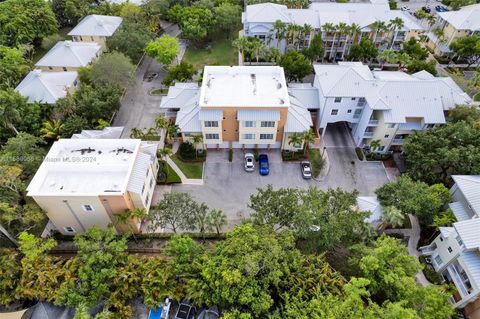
(343, 29)
(354, 31)
(126, 219)
(172, 131)
(375, 28)
(51, 129)
(241, 44)
(163, 153)
(375, 144)
(306, 30)
(216, 220)
(197, 138)
(391, 216)
(293, 140)
(438, 32)
(256, 48)
(395, 25)
(329, 29)
(403, 59)
(161, 121)
(136, 133)
(308, 137)
(388, 56)
(280, 29)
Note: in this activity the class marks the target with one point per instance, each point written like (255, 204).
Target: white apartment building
(239, 107)
(259, 19)
(382, 105)
(455, 252)
(86, 181)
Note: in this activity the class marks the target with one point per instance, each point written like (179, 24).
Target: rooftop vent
(37, 72)
(68, 43)
(282, 101)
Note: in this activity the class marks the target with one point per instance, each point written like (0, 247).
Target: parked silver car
(249, 162)
(306, 169)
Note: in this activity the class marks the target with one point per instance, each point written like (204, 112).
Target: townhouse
(333, 20)
(454, 25)
(238, 107)
(86, 181)
(455, 253)
(47, 87)
(386, 106)
(96, 29)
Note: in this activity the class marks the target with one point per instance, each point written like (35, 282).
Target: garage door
(211, 145)
(224, 145)
(276, 145)
(248, 146)
(236, 145)
(262, 146)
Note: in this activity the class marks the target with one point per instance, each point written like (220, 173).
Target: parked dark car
(440, 9)
(427, 9)
(263, 164)
(210, 313)
(186, 310)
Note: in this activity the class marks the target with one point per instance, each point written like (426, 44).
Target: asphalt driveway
(228, 187)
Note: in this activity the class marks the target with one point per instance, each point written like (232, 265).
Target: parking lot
(228, 187)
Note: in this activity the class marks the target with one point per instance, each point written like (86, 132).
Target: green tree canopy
(414, 197)
(228, 17)
(363, 51)
(130, 39)
(467, 113)
(467, 48)
(434, 155)
(13, 67)
(315, 51)
(25, 21)
(163, 49)
(179, 73)
(112, 68)
(295, 65)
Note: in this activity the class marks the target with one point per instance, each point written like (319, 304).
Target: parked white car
(249, 162)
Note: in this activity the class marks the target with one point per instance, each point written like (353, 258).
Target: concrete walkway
(413, 235)
(185, 180)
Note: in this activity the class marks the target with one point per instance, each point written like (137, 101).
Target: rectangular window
(146, 200)
(248, 123)
(353, 99)
(381, 148)
(248, 136)
(386, 136)
(151, 183)
(459, 241)
(267, 124)
(212, 136)
(65, 69)
(391, 125)
(338, 99)
(211, 124)
(430, 125)
(349, 111)
(50, 68)
(334, 112)
(449, 250)
(358, 111)
(361, 101)
(88, 208)
(69, 229)
(438, 260)
(266, 136)
(143, 188)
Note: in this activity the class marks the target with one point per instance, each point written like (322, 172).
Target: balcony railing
(372, 122)
(368, 134)
(427, 250)
(398, 141)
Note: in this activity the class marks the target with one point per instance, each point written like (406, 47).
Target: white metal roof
(467, 18)
(46, 87)
(188, 118)
(459, 211)
(370, 204)
(244, 86)
(320, 13)
(446, 231)
(299, 118)
(96, 25)
(469, 185)
(471, 261)
(469, 231)
(305, 94)
(399, 94)
(210, 115)
(70, 54)
(180, 94)
(258, 115)
(140, 169)
(107, 132)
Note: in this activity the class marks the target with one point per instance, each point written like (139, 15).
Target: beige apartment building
(454, 24)
(96, 29)
(69, 56)
(84, 182)
(238, 107)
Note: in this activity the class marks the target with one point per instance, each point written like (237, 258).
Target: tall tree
(13, 66)
(130, 39)
(363, 51)
(295, 65)
(163, 49)
(9, 102)
(228, 17)
(24, 150)
(394, 25)
(112, 68)
(467, 49)
(315, 51)
(25, 21)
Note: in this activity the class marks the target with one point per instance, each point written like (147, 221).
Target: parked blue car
(441, 9)
(263, 164)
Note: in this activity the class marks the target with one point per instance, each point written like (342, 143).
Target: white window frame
(248, 136)
(210, 123)
(89, 209)
(436, 261)
(263, 136)
(391, 125)
(267, 124)
(210, 136)
(337, 99)
(248, 123)
(69, 229)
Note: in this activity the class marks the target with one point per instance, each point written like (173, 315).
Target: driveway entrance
(338, 135)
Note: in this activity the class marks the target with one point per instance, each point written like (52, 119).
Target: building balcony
(398, 141)
(368, 134)
(428, 250)
(373, 122)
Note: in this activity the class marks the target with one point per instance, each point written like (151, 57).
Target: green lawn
(220, 52)
(172, 176)
(190, 169)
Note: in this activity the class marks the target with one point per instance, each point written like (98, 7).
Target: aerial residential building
(454, 24)
(382, 105)
(455, 253)
(239, 106)
(96, 28)
(69, 56)
(47, 87)
(84, 182)
(259, 19)
(372, 205)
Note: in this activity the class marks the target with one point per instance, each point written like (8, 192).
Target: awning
(258, 115)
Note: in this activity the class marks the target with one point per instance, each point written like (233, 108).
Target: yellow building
(96, 28)
(454, 24)
(84, 182)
